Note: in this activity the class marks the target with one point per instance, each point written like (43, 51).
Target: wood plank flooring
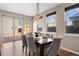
(15, 49)
(12, 49)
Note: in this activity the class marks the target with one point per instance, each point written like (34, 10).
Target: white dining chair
(53, 49)
(32, 46)
(24, 43)
(50, 36)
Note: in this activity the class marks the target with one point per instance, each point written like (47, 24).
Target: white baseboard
(70, 50)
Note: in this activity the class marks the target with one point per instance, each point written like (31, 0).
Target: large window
(51, 22)
(72, 19)
(7, 26)
(40, 25)
(14, 25)
(18, 25)
(11, 25)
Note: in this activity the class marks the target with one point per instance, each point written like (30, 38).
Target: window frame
(66, 9)
(39, 27)
(52, 13)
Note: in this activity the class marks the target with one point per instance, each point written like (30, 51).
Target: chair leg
(0, 53)
(57, 54)
(26, 51)
(33, 54)
(23, 48)
(29, 53)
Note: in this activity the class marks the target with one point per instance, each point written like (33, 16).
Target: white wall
(70, 41)
(0, 28)
(34, 25)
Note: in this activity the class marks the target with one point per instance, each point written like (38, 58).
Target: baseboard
(70, 51)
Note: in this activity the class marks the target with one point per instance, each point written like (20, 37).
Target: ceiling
(28, 9)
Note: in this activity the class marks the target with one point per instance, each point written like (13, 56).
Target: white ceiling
(26, 8)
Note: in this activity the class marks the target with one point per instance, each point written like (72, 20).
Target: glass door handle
(13, 27)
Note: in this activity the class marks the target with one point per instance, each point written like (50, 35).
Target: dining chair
(40, 34)
(24, 43)
(53, 49)
(0, 48)
(32, 46)
(49, 35)
(29, 34)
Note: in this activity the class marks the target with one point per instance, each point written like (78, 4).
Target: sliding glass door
(12, 27)
(18, 26)
(7, 28)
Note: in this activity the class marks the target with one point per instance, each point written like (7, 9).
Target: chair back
(50, 35)
(40, 34)
(53, 51)
(31, 44)
(30, 34)
(24, 42)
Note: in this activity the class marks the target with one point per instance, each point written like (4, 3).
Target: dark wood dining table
(43, 42)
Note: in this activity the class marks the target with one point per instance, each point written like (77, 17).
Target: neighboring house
(74, 28)
(75, 20)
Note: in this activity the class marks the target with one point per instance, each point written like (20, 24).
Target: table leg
(41, 50)
(0, 53)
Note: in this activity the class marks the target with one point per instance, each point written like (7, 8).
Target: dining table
(42, 42)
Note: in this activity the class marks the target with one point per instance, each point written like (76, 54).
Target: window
(72, 19)
(40, 25)
(51, 22)
(18, 25)
(7, 26)
(11, 24)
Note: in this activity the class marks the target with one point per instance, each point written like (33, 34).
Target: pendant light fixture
(37, 17)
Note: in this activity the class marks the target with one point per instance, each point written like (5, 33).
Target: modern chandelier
(37, 17)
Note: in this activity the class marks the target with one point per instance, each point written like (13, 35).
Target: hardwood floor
(15, 49)
(63, 52)
(12, 49)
